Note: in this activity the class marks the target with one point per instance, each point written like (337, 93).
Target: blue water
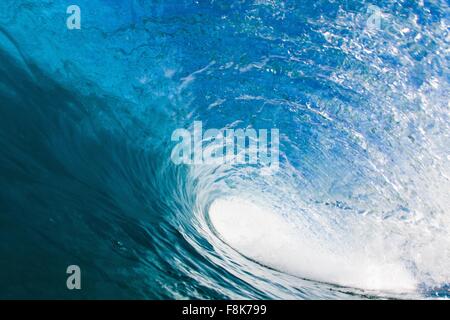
(359, 208)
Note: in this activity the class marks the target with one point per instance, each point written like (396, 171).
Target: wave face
(359, 207)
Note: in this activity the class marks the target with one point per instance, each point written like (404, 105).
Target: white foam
(277, 242)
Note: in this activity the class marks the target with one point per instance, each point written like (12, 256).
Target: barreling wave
(359, 206)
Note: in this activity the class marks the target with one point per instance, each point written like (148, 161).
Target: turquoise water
(359, 207)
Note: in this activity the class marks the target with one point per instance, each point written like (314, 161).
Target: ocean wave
(359, 206)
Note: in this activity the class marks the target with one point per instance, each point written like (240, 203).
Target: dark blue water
(359, 208)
